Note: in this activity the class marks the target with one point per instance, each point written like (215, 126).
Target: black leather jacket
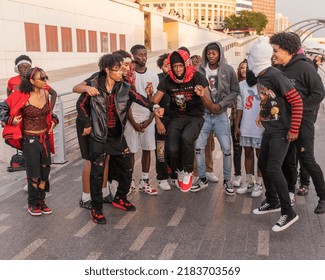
(92, 111)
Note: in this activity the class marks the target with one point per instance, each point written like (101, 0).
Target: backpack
(17, 162)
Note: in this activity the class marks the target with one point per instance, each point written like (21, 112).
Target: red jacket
(11, 108)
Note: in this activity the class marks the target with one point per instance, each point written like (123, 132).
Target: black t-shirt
(183, 99)
(272, 87)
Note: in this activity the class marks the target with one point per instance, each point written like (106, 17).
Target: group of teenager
(274, 98)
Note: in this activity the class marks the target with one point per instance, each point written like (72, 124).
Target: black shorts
(83, 140)
(35, 154)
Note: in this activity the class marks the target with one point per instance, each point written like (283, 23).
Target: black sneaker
(123, 204)
(108, 198)
(86, 205)
(199, 185)
(320, 208)
(267, 208)
(285, 221)
(228, 188)
(34, 210)
(45, 209)
(98, 217)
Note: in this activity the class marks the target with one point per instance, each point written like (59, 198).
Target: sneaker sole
(35, 214)
(148, 192)
(47, 213)
(122, 207)
(228, 193)
(256, 195)
(164, 189)
(198, 189)
(276, 228)
(257, 212)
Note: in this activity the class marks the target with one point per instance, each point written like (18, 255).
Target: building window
(81, 40)
(112, 42)
(32, 37)
(122, 42)
(52, 44)
(66, 37)
(104, 42)
(92, 38)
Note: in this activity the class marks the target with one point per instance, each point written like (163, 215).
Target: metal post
(59, 137)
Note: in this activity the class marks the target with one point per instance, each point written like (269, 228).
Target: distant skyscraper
(266, 7)
(281, 23)
(207, 13)
(243, 5)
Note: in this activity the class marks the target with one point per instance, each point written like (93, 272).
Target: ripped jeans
(219, 124)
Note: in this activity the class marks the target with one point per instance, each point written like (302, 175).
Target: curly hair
(109, 61)
(26, 85)
(286, 41)
(160, 60)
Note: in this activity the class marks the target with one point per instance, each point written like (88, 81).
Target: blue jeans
(219, 124)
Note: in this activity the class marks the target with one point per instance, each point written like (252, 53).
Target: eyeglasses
(43, 79)
(116, 70)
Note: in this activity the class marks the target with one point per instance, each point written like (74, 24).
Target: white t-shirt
(249, 102)
(139, 112)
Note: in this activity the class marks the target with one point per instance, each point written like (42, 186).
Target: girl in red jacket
(29, 124)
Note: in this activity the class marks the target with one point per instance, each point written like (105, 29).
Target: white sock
(249, 178)
(145, 175)
(85, 197)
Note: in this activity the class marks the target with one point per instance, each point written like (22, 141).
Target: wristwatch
(156, 106)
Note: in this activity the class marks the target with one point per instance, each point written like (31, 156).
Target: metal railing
(65, 133)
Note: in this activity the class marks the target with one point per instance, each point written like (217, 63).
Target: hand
(52, 127)
(145, 124)
(16, 120)
(237, 133)
(87, 131)
(258, 121)
(149, 89)
(292, 136)
(161, 128)
(199, 90)
(92, 91)
(215, 108)
(138, 127)
(159, 112)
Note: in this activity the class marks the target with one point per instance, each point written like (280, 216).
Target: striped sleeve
(296, 103)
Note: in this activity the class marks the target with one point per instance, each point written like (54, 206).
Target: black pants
(289, 167)
(305, 152)
(37, 155)
(237, 150)
(161, 154)
(122, 169)
(181, 136)
(274, 148)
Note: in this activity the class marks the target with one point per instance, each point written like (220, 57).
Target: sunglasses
(43, 79)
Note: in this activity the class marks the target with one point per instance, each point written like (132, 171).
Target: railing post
(59, 137)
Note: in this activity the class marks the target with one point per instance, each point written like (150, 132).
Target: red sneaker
(186, 184)
(44, 208)
(34, 210)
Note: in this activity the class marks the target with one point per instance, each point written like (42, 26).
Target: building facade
(266, 7)
(206, 13)
(243, 5)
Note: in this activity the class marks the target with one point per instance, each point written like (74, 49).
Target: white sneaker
(292, 198)
(245, 188)
(25, 188)
(146, 187)
(257, 190)
(236, 181)
(112, 187)
(164, 185)
(132, 187)
(211, 177)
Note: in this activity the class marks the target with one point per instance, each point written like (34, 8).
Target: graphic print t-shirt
(212, 76)
(275, 110)
(184, 101)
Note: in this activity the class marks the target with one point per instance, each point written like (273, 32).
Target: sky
(298, 10)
